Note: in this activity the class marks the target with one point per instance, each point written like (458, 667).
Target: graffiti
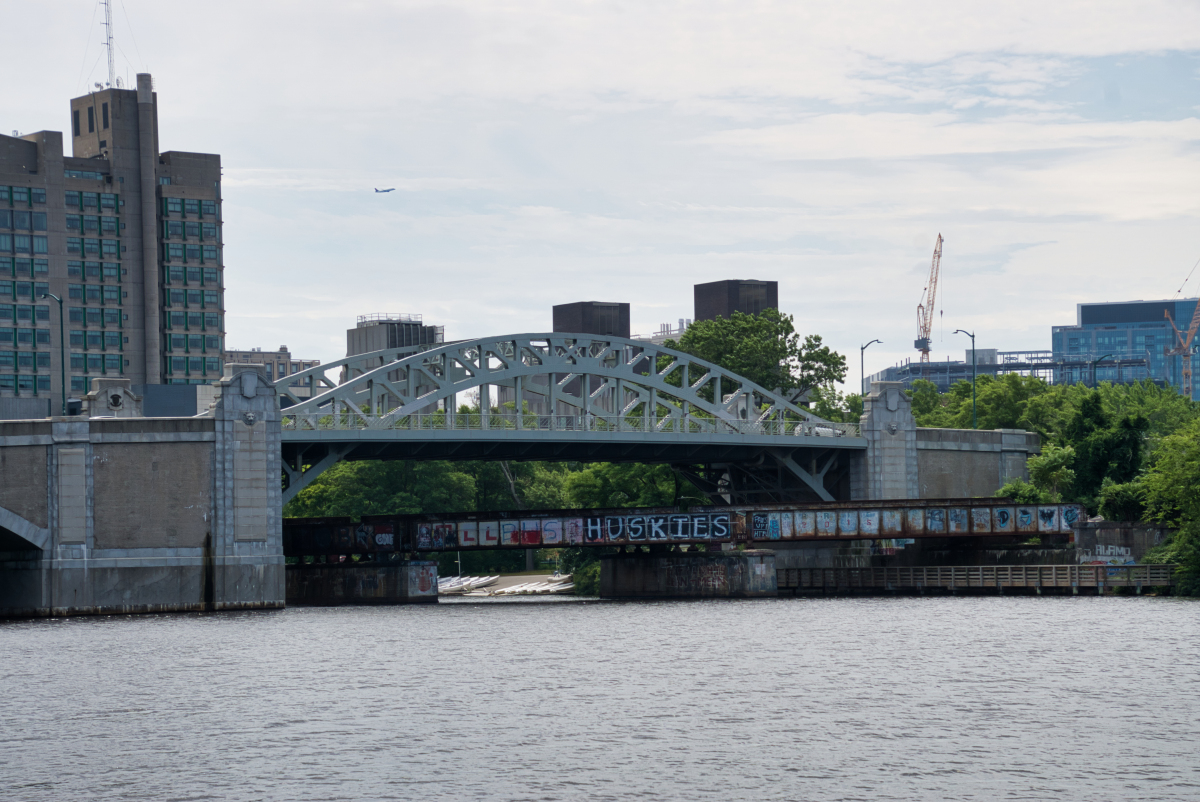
(826, 523)
(489, 533)
(424, 537)
(1047, 519)
(981, 519)
(774, 527)
(468, 533)
(958, 520)
(1107, 555)
(384, 537)
(531, 533)
(1002, 519)
(891, 522)
(916, 520)
(760, 525)
(551, 532)
(935, 521)
(806, 524)
(1026, 519)
(713, 578)
(848, 522)
(1070, 516)
(869, 522)
(787, 527)
(510, 533)
(422, 580)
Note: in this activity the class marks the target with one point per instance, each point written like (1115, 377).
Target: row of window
(96, 271)
(27, 268)
(189, 206)
(23, 243)
(95, 293)
(24, 360)
(23, 289)
(91, 316)
(77, 246)
(91, 118)
(179, 274)
(92, 200)
(24, 336)
(14, 196)
(190, 253)
(178, 229)
(204, 299)
(23, 313)
(24, 384)
(22, 221)
(93, 223)
(192, 343)
(192, 366)
(193, 321)
(95, 340)
(86, 175)
(99, 363)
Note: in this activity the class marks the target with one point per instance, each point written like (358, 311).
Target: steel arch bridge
(559, 396)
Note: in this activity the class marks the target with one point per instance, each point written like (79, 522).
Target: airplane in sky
(389, 189)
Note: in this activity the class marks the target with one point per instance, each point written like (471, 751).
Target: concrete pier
(349, 583)
(689, 575)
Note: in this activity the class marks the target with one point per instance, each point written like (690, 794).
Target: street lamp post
(974, 374)
(862, 369)
(1096, 362)
(62, 349)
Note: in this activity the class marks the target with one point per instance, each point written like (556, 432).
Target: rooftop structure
(723, 298)
(593, 317)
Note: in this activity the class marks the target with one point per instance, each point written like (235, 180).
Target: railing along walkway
(608, 424)
(978, 576)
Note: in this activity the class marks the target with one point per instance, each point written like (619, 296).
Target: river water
(789, 699)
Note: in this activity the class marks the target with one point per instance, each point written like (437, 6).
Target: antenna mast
(108, 41)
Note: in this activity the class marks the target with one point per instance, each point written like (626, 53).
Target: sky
(551, 152)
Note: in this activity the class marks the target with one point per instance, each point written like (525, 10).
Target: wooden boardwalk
(1055, 578)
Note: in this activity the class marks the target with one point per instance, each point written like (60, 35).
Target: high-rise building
(1108, 339)
(593, 317)
(722, 298)
(390, 330)
(127, 236)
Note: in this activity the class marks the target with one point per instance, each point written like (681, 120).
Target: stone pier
(689, 575)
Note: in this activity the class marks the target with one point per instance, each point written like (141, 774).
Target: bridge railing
(614, 424)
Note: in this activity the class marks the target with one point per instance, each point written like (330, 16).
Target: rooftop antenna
(108, 41)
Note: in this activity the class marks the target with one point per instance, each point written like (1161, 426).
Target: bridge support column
(689, 575)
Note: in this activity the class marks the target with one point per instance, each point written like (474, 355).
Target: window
(108, 247)
(91, 119)
(191, 206)
(41, 245)
(108, 200)
(196, 365)
(75, 122)
(41, 267)
(86, 175)
(91, 270)
(6, 218)
(112, 341)
(79, 383)
(193, 297)
(6, 313)
(178, 364)
(25, 359)
(112, 295)
(209, 207)
(93, 316)
(76, 338)
(91, 246)
(26, 384)
(209, 231)
(22, 243)
(195, 321)
(43, 359)
(74, 245)
(192, 229)
(90, 200)
(212, 343)
(210, 275)
(196, 343)
(74, 200)
(112, 363)
(104, 115)
(282, 369)
(7, 336)
(193, 251)
(112, 317)
(91, 223)
(39, 221)
(175, 272)
(6, 243)
(174, 205)
(178, 342)
(193, 275)
(164, 180)
(5, 266)
(108, 225)
(95, 363)
(178, 320)
(75, 314)
(210, 298)
(75, 292)
(77, 361)
(111, 272)
(39, 195)
(212, 322)
(95, 339)
(8, 359)
(24, 313)
(20, 195)
(91, 293)
(43, 336)
(41, 314)
(174, 228)
(24, 336)
(210, 253)
(174, 251)
(24, 289)
(22, 221)
(175, 297)
(212, 365)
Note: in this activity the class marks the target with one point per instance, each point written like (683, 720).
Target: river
(789, 699)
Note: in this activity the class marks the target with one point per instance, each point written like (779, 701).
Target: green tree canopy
(765, 349)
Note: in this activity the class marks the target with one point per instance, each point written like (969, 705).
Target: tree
(1051, 470)
(765, 349)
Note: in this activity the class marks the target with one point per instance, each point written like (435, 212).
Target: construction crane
(1184, 346)
(928, 302)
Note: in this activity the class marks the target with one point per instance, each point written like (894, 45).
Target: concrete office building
(1133, 336)
(593, 317)
(279, 364)
(722, 298)
(127, 236)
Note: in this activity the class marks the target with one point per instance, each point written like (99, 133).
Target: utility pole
(862, 369)
(974, 374)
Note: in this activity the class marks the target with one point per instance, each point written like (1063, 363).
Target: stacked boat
(459, 585)
(544, 587)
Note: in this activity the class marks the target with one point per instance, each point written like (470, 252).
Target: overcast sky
(551, 152)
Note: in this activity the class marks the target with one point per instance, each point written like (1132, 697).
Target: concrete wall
(409, 582)
(130, 514)
(1117, 542)
(691, 575)
(904, 461)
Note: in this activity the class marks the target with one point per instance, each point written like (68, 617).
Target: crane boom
(1184, 347)
(928, 303)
